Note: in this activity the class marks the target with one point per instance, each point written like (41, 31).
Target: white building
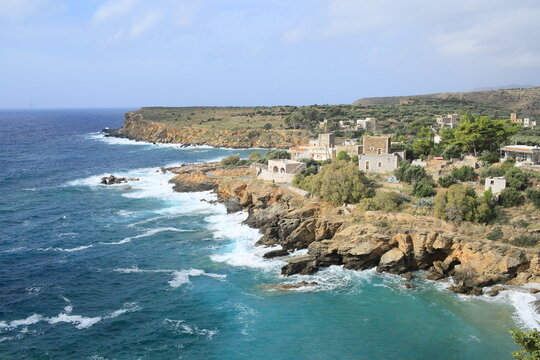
(450, 120)
(322, 148)
(496, 184)
(526, 153)
(279, 170)
(368, 123)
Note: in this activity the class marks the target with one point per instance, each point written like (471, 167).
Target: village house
(377, 156)
(526, 122)
(321, 149)
(495, 184)
(524, 153)
(450, 120)
(368, 123)
(279, 170)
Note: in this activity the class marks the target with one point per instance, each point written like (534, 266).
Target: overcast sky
(118, 53)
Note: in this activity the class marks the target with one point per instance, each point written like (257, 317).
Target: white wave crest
(182, 327)
(150, 232)
(80, 322)
(242, 251)
(78, 248)
(180, 277)
(122, 141)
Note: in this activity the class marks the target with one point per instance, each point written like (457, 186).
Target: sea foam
(180, 277)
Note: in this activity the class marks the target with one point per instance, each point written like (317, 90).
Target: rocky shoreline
(395, 243)
(138, 128)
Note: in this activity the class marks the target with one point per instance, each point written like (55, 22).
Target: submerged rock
(303, 265)
(275, 253)
(292, 286)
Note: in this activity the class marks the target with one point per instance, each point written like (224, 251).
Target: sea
(137, 271)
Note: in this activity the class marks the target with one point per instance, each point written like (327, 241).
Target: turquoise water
(95, 272)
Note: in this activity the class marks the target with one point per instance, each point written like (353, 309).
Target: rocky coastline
(138, 128)
(395, 243)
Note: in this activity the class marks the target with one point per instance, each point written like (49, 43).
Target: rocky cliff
(392, 242)
(137, 127)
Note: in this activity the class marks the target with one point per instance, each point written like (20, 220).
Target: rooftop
(520, 148)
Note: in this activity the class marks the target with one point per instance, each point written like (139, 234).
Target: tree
(424, 188)
(516, 178)
(482, 133)
(511, 197)
(452, 152)
(306, 117)
(485, 209)
(409, 173)
(423, 145)
(339, 182)
(489, 157)
(342, 155)
(456, 204)
(277, 154)
(464, 173)
(447, 181)
(529, 343)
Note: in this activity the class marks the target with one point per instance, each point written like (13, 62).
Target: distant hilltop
(520, 100)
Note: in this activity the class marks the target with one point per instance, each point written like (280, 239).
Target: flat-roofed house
(525, 153)
(279, 170)
(496, 184)
(322, 148)
(450, 120)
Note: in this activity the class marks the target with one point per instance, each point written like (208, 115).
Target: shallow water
(96, 272)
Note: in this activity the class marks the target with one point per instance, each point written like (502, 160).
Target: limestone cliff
(137, 127)
(397, 243)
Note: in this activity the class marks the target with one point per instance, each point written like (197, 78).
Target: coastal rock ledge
(396, 243)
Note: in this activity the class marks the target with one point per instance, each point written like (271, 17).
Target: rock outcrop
(112, 180)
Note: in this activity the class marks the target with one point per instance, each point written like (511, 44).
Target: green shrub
(489, 157)
(355, 159)
(495, 234)
(447, 181)
(464, 173)
(525, 241)
(276, 154)
(507, 164)
(516, 178)
(230, 160)
(409, 173)
(511, 197)
(254, 156)
(342, 155)
(460, 203)
(529, 343)
(452, 152)
(267, 126)
(424, 188)
(383, 201)
(534, 197)
(492, 171)
(338, 182)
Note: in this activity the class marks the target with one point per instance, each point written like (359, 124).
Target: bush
(529, 343)
(338, 182)
(267, 126)
(460, 203)
(409, 173)
(492, 171)
(342, 155)
(489, 157)
(511, 197)
(507, 165)
(495, 234)
(464, 173)
(276, 154)
(355, 159)
(383, 201)
(230, 160)
(525, 241)
(254, 156)
(424, 188)
(447, 181)
(516, 178)
(534, 197)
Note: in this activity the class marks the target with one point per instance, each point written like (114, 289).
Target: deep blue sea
(137, 271)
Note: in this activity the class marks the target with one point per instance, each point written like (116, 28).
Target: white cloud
(117, 20)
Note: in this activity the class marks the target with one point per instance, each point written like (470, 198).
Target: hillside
(524, 101)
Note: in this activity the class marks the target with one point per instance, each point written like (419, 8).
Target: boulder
(408, 285)
(303, 265)
(393, 261)
(232, 205)
(275, 253)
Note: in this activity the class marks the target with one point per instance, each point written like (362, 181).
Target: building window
(367, 165)
(275, 169)
(282, 170)
(379, 151)
(379, 164)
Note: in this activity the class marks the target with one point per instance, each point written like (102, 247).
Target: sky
(132, 53)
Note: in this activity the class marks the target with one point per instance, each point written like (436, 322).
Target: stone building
(279, 170)
(496, 184)
(450, 120)
(322, 148)
(377, 156)
(368, 123)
